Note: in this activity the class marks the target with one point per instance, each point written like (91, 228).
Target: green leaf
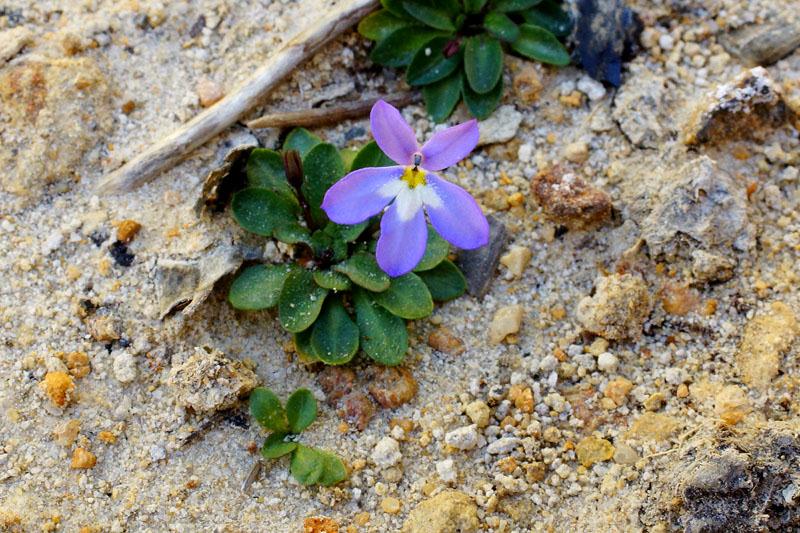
(537, 43)
(258, 287)
(266, 408)
(482, 105)
(395, 7)
(348, 155)
(430, 64)
(363, 270)
(502, 27)
(300, 301)
(301, 410)
(302, 140)
(550, 16)
(399, 48)
(483, 62)
(474, 6)
(346, 232)
(302, 345)
(265, 170)
(513, 5)
(441, 97)
(383, 335)
(261, 211)
(371, 156)
(292, 233)
(276, 445)
(445, 282)
(322, 166)
(406, 297)
(429, 14)
(333, 470)
(334, 281)
(436, 251)
(379, 25)
(335, 336)
(307, 465)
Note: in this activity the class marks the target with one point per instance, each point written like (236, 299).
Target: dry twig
(328, 115)
(173, 148)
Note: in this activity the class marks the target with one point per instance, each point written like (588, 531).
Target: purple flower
(410, 190)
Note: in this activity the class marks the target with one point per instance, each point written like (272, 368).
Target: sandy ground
(61, 135)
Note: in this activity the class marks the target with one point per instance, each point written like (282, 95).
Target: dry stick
(328, 115)
(172, 149)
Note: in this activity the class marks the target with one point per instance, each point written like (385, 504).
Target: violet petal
(392, 133)
(448, 147)
(361, 194)
(401, 244)
(456, 216)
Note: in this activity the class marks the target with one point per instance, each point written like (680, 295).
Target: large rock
(207, 381)
(618, 309)
(640, 107)
(770, 39)
(750, 104)
(766, 338)
(567, 199)
(450, 511)
(54, 112)
(697, 200)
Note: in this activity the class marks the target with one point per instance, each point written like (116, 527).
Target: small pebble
(607, 362)
(463, 438)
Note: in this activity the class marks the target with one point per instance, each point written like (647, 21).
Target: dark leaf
(502, 27)
(445, 282)
(395, 7)
(371, 156)
(300, 301)
(399, 48)
(483, 63)
(266, 408)
(328, 279)
(513, 5)
(363, 270)
(277, 445)
(302, 345)
(333, 470)
(473, 6)
(550, 16)
(430, 64)
(383, 335)
(441, 97)
(431, 14)
(258, 287)
(301, 410)
(261, 211)
(537, 43)
(322, 166)
(482, 105)
(381, 24)
(307, 465)
(435, 251)
(406, 297)
(335, 336)
(302, 140)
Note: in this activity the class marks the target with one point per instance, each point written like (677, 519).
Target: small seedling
(453, 49)
(308, 465)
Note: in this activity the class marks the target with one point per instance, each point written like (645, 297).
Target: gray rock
(701, 201)
(501, 126)
(189, 282)
(766, 42)
(479, 265)
(637, 109)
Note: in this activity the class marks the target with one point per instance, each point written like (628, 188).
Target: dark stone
(237, 419)
(479, 265)
(98, 237)
(607, 34)
(766, 42)
(197, 27)
(354, 133)
(119, 251)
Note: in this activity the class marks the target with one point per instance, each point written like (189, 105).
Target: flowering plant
(453, 49)
(331, 292)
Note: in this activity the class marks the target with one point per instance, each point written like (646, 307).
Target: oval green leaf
(371, 156)
(363, 270)
(322, 167)
(395, 7)
(301, 410)
(430, 13)
(430, 64)
(266, 408)
(335, 336)
(302, 140)
(258, 287)
(307, 465)
(474, 6)
(445, 282)
(502, 27)
(550, 16)
(346, 233)
(292, 233)
(441, 97)
(399, 48)
(300, 301)
(276, 446)
(260, 211)
(333, 470)
(302, 345)
(383, 335)
(483, 62)
(327, 279)
(482, 105)
(265, 170)
(537, 43)
(513, 5)
(436, 251)
(406, 297)
(379, 25)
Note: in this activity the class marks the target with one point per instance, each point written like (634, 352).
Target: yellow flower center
(414, 176)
